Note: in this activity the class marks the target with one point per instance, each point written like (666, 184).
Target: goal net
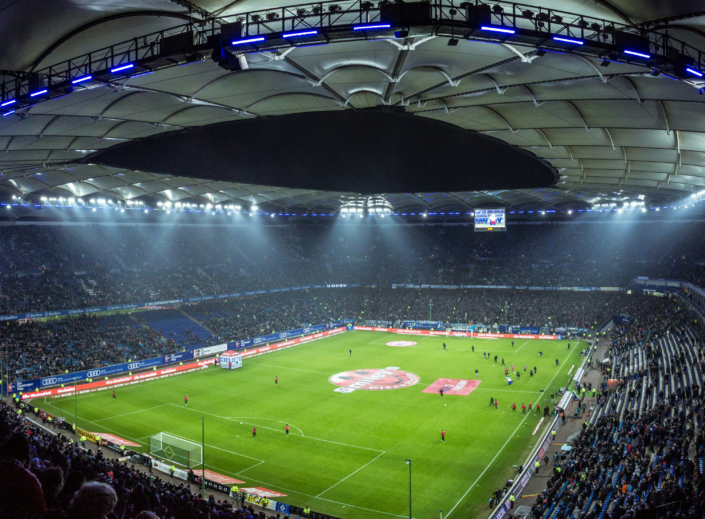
(177, 450)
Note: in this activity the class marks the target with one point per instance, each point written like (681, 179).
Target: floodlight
(127, 66)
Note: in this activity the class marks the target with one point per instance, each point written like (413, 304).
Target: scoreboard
(490, 220)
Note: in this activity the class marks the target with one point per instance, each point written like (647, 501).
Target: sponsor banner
(262, 492)
(210, 350)
(260, 501)
(219, 478)
(218, 487)
(288, 344)
(164, 467)
(274, 337)
(89, 435)
(282, 508)
(374, 379)
(453, 386)
(118, 382)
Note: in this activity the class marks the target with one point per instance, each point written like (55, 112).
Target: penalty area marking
(285, 367)
(503, 446)
(238, 418)
(279, 430)
(133, 412)
(350, 475)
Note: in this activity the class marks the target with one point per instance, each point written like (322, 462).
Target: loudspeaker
(628, 41)
(400, 14)
(478, 15)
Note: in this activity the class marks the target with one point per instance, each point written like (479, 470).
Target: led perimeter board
(490, 220)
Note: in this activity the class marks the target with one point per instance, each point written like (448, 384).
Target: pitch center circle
(374, 379)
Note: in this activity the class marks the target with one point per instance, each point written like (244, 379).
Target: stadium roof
(609, 126)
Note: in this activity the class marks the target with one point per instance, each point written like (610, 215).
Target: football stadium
(352, 259)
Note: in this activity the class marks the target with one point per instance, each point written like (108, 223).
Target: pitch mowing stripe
(505, 444)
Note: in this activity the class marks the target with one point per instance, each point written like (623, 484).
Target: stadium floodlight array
(176, 450)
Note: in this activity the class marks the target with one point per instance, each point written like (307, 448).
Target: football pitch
(348, 444)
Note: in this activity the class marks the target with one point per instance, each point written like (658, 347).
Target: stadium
(352, 259)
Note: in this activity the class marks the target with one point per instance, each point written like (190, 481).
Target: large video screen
(490, 220)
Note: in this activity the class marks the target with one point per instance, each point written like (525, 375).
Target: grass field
(346, 452)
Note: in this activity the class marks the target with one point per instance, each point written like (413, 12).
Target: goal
(177, 450)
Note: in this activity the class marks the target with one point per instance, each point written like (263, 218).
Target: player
(523, 408)
(557, 362)
(514, 407)
(350, 352)
(538, 408)
(441, 391)
(524, 368)
(477, 373)
(540, 353)
(473, 349)
(568, 345)
(484, 355)
(276, 380)
(512, 344)
(534, 370)
(496, 402)
(530, 407)
(502, 361)
(443, 436)
(518, 375)
(506, 370)
(495, 359)
(186, 400)
(531, 374)
(287, 429)
(254, 432)
(491, 401)
(114, 395)
(512, 367)
(444, 346)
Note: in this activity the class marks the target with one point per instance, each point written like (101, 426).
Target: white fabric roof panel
(645, 133)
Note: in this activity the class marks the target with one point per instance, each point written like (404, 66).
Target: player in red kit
(113, 395)
(254, 432)
(443, 436)
(276, 380)
(186, 400)
(287, 429)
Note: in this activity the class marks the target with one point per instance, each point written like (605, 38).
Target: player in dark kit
(556, 362)
(254, 432)
(444, 345)
(441, 391)
(473, 349)
(350, 352)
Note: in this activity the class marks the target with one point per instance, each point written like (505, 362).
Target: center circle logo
(402, 344)
(374, 379)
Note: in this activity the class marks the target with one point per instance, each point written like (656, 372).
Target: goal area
(176, 450)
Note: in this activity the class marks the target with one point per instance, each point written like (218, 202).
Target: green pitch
(346, 452)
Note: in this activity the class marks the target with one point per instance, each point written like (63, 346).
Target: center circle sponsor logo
(374, 379)
(402, 344)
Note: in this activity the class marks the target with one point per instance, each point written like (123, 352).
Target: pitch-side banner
(456, 334)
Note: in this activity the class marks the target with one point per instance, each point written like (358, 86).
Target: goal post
(177, 450)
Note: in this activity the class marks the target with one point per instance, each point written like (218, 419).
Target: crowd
(48, 476)
(53, 268)
(637, 461)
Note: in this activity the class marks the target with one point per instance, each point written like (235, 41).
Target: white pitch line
(279, 430)
(500, 450)
(237, 418)
(520, 347)
(133, 412)
(350, 475)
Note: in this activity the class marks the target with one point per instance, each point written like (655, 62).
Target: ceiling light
(497, 29)
(122, 67)
(637, 54)
(568, 40)
(297, 34)
(38, 93)
(81, 79)
(372, 27)
(9, 102)
(694, 72)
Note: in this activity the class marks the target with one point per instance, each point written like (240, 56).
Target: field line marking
(350, 475)
(237, 418)
(281, 431)
(133, 412)
(520, 347)
(285, 367)
(503, 390)
(218, 448)
(503, 446)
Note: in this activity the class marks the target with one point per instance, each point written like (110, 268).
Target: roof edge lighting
(81, 79)
(568, 40)
(247, 40)
(497, 29)
(38, 93)
(297, 34)
(122, 67)
(371, 27)
(10, 102)
(694, 72)
(638, 54)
